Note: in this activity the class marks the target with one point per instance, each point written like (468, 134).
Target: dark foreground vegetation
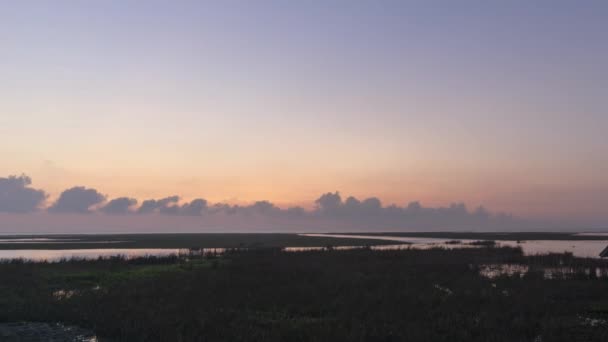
(351, 295)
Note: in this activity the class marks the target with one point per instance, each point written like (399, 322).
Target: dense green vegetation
(352, 295)
(499, 236)
(194, 240)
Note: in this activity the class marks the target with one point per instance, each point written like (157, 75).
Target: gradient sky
(500, 103)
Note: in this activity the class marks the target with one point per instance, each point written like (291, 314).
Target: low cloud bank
(16, 196)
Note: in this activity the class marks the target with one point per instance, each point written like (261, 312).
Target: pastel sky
(499, 103)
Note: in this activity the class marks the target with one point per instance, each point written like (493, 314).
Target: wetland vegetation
(267, 294)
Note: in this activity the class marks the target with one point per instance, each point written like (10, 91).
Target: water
(13, 240)
(343, 248)
(58, 254)
(582, 248)
(496, 270)
(579, 248)
(34, 240)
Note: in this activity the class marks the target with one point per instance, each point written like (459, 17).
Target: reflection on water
(579, 248)
(496, 270)
(582, 248)
(34, 240)
(62, 254)
(343, 248)
(18, 240)
(58, 254)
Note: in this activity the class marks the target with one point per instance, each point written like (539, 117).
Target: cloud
(263, 208)
(329, 203)
(194, 208)
(370, 214)
(17, 197)
(352, 204)
(371, 206)
(167, 205)
(259, 208)
(77, 200)
(223, 208)
(119, 206)
(330, 210)
(295, 212)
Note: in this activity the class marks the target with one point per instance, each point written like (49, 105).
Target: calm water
(580, 248)
(583, 248)
(58, 254)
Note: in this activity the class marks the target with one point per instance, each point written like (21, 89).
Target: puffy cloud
(259, 208)
(170, 206)
(414, 207)
(77, 200)
(329, 203)
(119, 206)
(223, 208)
(147, 207)
(371, 206)
(264, 208)
(194, 208)
(352, 203)
(17, 197)
(167, 205)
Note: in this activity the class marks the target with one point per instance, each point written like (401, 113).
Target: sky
(499, 104)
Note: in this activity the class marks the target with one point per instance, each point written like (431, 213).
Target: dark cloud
(77, 200)
(17, 197)
(119, 206)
